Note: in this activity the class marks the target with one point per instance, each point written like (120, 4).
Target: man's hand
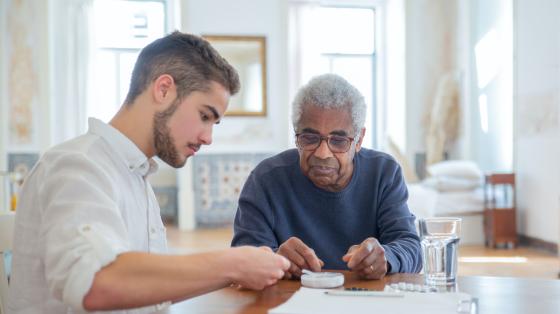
(300, 256)
(367, 259)
(258, 268)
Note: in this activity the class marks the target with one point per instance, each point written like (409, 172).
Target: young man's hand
(258, 268)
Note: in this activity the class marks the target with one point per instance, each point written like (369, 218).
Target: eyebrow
(335, 132)
(214, 113)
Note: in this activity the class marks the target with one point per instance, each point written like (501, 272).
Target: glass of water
(440, 238)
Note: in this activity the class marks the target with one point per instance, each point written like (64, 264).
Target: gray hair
(330, 91)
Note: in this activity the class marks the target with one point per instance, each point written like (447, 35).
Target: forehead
(324, 120)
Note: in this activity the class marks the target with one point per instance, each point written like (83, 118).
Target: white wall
(490, 85)
(249, 17)
(430, 52)
(537, 140)
(24, 74)
(3, 101)
(242, 134)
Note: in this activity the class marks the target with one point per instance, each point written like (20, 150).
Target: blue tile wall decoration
(217, 181)
(168, 203)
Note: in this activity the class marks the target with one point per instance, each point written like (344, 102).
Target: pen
(365, 293)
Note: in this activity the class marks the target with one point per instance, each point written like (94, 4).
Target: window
(339, 40)
(120, 30)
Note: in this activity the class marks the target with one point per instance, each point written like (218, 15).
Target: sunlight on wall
(488, 53)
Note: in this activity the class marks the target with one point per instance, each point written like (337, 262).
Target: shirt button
(153, 230)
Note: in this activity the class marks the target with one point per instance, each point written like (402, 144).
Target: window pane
(104, 90)
(128, 24)
(357, 71)
(346, 30)
(126, 65)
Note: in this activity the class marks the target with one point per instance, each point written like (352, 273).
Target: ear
(163, 89)
(359, 142)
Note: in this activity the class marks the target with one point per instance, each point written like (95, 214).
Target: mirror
(247, 54)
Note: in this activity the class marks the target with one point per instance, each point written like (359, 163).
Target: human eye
(338, 141)
(307, 138)
(204, 117)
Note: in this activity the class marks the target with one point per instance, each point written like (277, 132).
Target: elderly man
(330, 203)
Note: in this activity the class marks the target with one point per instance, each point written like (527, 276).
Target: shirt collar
(134, 158)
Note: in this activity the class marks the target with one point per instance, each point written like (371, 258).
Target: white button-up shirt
(85, 202)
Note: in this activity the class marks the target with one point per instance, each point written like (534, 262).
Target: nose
(206, 135)
(323, 151)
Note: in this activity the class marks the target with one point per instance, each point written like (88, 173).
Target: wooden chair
(7, 220)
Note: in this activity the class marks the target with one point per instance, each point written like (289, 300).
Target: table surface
(495, 295)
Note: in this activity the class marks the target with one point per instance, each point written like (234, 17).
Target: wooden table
(495, 295)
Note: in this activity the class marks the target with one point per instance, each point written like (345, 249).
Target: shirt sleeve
(81, 225)
(398, 234)
(254, 220)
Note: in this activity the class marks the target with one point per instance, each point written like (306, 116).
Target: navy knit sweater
(278, 201)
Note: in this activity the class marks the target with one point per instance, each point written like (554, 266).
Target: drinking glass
(440, 238)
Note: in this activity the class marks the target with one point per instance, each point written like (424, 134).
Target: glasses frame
(324, 138)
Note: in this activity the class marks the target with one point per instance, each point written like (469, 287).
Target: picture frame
(247, 54)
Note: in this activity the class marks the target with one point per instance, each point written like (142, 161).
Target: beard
(163, 141)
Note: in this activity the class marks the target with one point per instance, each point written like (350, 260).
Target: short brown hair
(190, 60)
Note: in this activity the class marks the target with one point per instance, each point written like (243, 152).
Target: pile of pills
(409, 287)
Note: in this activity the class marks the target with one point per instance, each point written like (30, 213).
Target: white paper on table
(314, 301)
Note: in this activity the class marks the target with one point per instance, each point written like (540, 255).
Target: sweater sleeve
(396, 225)
(254, 220)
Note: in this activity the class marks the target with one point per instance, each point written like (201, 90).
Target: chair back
(7, 221)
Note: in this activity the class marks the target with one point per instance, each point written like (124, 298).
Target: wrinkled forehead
(325, 120)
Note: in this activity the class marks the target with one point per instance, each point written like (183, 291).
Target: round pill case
(322, 280)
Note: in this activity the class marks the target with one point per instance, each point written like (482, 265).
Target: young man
(88, 230)
(331, 203)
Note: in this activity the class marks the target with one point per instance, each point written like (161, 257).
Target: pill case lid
(322, 280)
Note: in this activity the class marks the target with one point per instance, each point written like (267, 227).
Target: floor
(473, 260)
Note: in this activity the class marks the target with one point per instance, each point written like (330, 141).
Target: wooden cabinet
(499, 210)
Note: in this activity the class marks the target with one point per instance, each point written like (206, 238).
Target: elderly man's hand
(300, 256)
(367, 259)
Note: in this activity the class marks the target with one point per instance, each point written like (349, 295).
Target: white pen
(365, 293)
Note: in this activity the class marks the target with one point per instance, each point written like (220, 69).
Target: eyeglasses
(311, 141)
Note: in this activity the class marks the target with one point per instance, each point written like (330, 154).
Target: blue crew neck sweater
(278, 201)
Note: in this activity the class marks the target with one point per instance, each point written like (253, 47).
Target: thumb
(347, 257)
(285, 262)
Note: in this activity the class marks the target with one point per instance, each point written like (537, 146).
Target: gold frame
(261, 40)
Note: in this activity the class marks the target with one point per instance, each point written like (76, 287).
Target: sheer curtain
(303, 53)
(71, 46)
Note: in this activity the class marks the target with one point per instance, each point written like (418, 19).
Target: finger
(309, 255)
(265, 248)
(322, 263)
(349, 254)
(377, 256)
(362, 252)
(295, 270)
(293, 256)
(285, 263)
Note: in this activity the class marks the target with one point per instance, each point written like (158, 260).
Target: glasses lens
(308, 141)
(339, 143)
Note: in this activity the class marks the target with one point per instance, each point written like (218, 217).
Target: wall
(24, 84)
(249, 17)
(3, 101)
(491, 84)
(242, 134)
(537, 140)
(430, 52)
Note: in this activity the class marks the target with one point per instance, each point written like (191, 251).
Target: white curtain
(71, 45)
(303, 53)
(303, 58)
